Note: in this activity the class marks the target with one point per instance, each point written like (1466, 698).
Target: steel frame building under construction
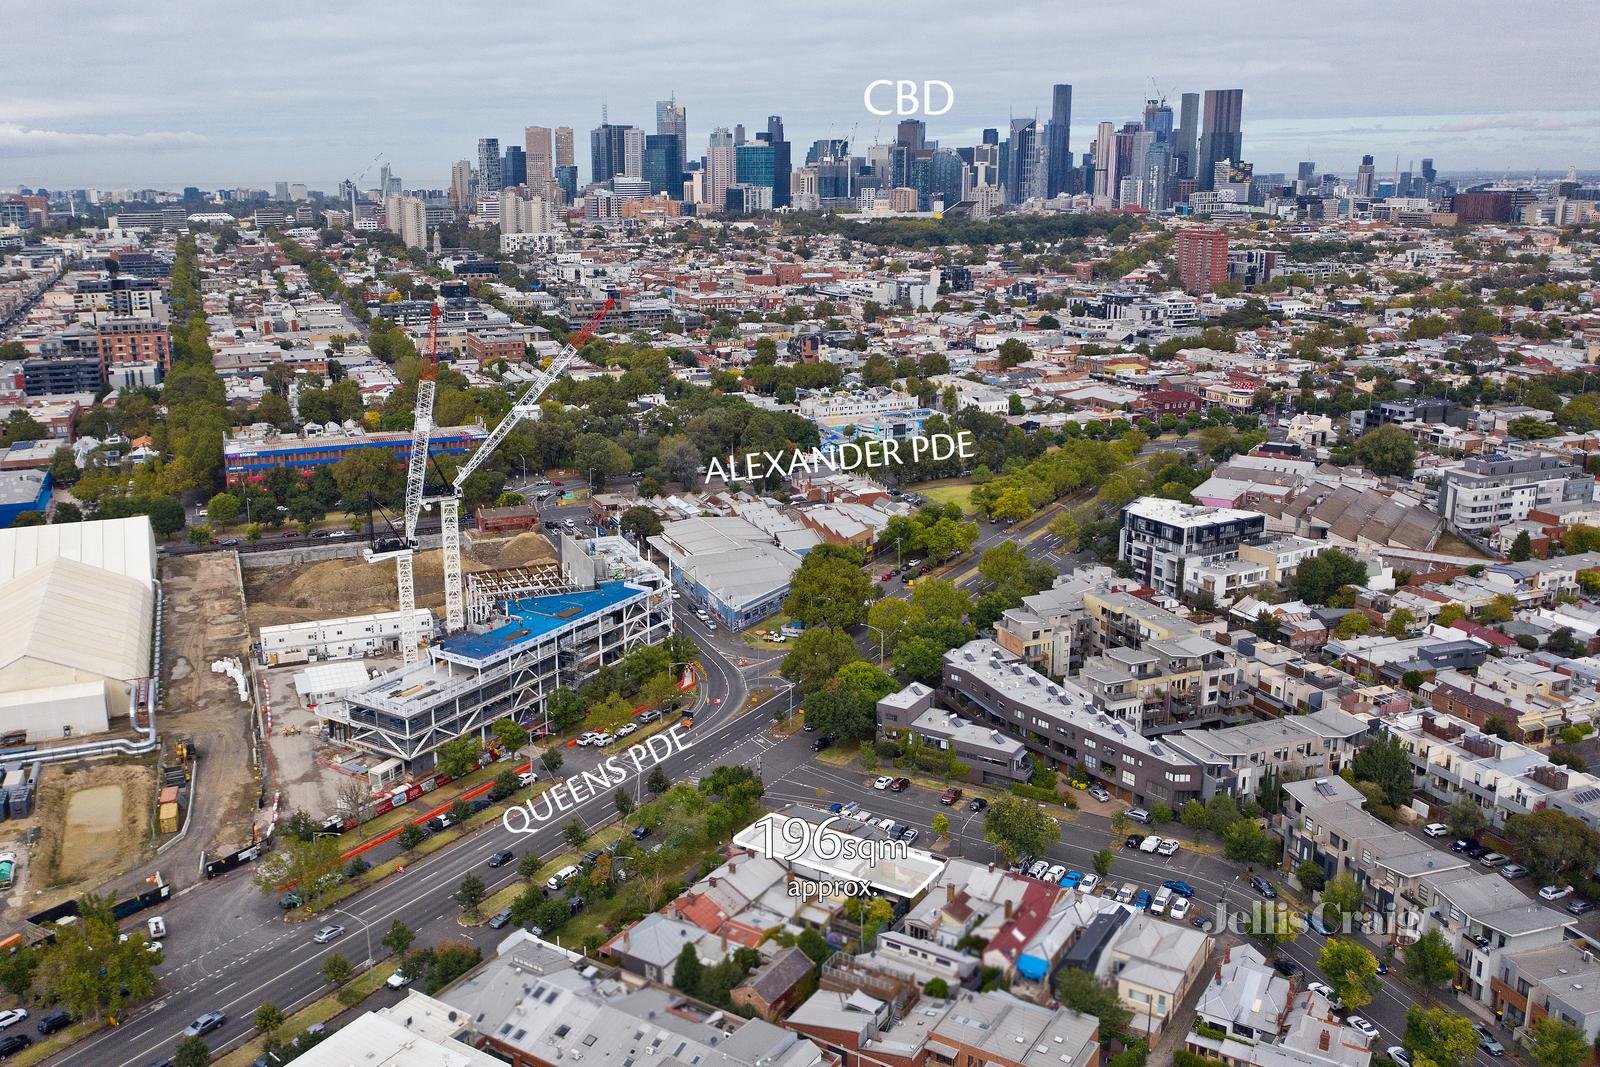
(529, 632)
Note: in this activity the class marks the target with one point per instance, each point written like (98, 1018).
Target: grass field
(959, 493)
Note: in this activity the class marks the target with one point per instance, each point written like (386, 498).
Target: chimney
(713, 881)
(1323, 1040)
(1008, 908)
(949, 892)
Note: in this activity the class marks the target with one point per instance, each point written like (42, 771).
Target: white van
(1163, 898)
(157, 927)
(1150, 844)
(561, 877)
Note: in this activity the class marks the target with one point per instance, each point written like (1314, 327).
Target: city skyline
(259, 109)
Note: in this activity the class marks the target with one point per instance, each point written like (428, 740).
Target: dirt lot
(205, 622)
(338, 587)
(94, 824)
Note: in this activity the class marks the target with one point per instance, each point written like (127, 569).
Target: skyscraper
(913, 133)
(1202, 258)
(564, 156)
(1059, 141)
(513, 167)
(541, 161)
(1366, 177)
(1221, 136)
(608, 151)
(1026, 150)
(488, 165)
(672, 120)
(663, 164)
(718, 169)
(782, 166)
(633, 152)
(1105, 161)
(1305, 177)
(1184, 148)
(461, 184)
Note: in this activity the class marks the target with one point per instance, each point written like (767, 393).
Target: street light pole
(366, 928)
(879, 632)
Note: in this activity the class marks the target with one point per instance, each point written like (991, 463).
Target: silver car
(328, 933)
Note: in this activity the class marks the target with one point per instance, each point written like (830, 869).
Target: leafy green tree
(1352, 972)
(470, 894)
(1103, 861)
(268, 1018)
(91, 970)
(399, 938)
(336, 970)
(641, 522)
(459, 757)
(1272, 923)
(816, 656)
(1353, 625)
(191, 1051)
(1429, 961)
(1464, 818)
(1341, 898)
(1553, 843)
(1499, 609)
(1018, 826)
(310, 866)
(658, 781)
(1385, 763)
(1319, 577)
(830, 589)
(1521, 547)
(1442, 1036)
(1387, 450)
(224, 509)
(920, 659)
(550, 759)
(1310, 876)
(411, 835)
(1246, 842)
(1080, 991)
(689, 972)
(509, 733)
(573, 833)
(1554, 1042)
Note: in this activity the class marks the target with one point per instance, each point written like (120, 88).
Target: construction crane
(404, 555)
(526, 407)
(356, 181)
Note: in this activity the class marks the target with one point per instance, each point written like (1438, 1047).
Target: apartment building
(1323, 820)
(991, 757)
(1161, 538)
(1050, 631)
(1237, 758)
(1485, 919)
(1558, 981)
(1058, 722)
(1166, 685)
(1485, 492)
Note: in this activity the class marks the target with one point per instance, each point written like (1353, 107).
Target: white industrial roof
(77, 617)
(121, 546)
(331, 677)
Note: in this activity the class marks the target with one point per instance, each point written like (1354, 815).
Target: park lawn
(775, 623)
(320, 1010)
(958, 493)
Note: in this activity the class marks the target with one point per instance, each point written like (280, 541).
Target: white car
(1436, 829)
(1056, 873)
(1555, 892)
(883, 782)
(1039, 868)
(1178, 908)
(1150, 844)
(850, 809)
(397, 980)
(1398, 1054)
(1168, 846)
(157, 927)
(11, 1018)
(1323, 988)
(631, 727)
(587, 739)
(1356, 1022)
(601, 740)
(1088, 884)
(527, 778)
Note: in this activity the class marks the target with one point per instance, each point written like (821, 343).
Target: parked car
(1264, 887)
(1150, 844)
(641, 832)
(978, 804)
(1360, 1025)
(14, 1044)
(1141, 900)
(10, 1018)
(1168, 847)
(1287, 967)
(1487, 1040)
(501, 918)
(1071, 880)
(561, 878)
(398, 980)
(1436, 829)
(211, 1020)
(1139, 815)
(1495, 859)
(1555, 892)
(1163, 900)
(908, 834)
(526, 778)
(1399, 1055)
(1089, 883)
(650, 716)
(328, 933)
(821, 743)
(1513, 870)
(1178, 908)
(1316, 923)
(1325, 990)
(1099, 794)
(627, 729)
(1126, 894)
(55, 1021)
(900, 785)
(1132, 841)
(157, 927)
(883, 782)
(950, 796)
(501, 858)
(1038, 868)
(1056, 873)
(1180, 887)
(1461, 844)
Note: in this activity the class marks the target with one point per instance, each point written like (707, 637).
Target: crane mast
(416, 471)
(525, 407)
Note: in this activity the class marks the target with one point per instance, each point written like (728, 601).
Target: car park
(1487, 1041)
(1361, 1026)
(1555, 892)
(501, 858)
(1436, 829)
(327, 933)
(211, 1020)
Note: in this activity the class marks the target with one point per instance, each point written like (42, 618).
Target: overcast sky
(117, 95)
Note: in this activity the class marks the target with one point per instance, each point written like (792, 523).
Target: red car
(950, 796)
(886, 576)
(900, 785)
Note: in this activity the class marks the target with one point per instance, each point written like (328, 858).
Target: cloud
(28, 140)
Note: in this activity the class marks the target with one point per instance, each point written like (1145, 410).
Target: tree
(458, 758)
(1385, 763)
(816, 657)
(1450, 614)
(1011, 505)
(1439, 1034)
(1273, 924)
(829, 589)
(550, 759)
(1103, 861)
(336, 970)
(1553, 843)
(689, 972)
(573, 833)
(1341, 898)
(1464, 818)
(658, 781)
(936, 599)
(470, 893)
(641, 522)
(1353, 625)
(1319, 577)
(599, 457)
(1499, 609)
(307, 865)
(224, 509)
(1351, 970)
(268, 1018)
(1429, 961)
(1400, 622)
(411, 835)
(937, 987)
(191, 1051)
(1387, 450)
(1020, 827)
(399, 939)
(941, 824)
(1521, 547)
(1554, 1042)
(1246, 842)
(1310, 876)
(623, 801)
(1080, 991)
(91, 970)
